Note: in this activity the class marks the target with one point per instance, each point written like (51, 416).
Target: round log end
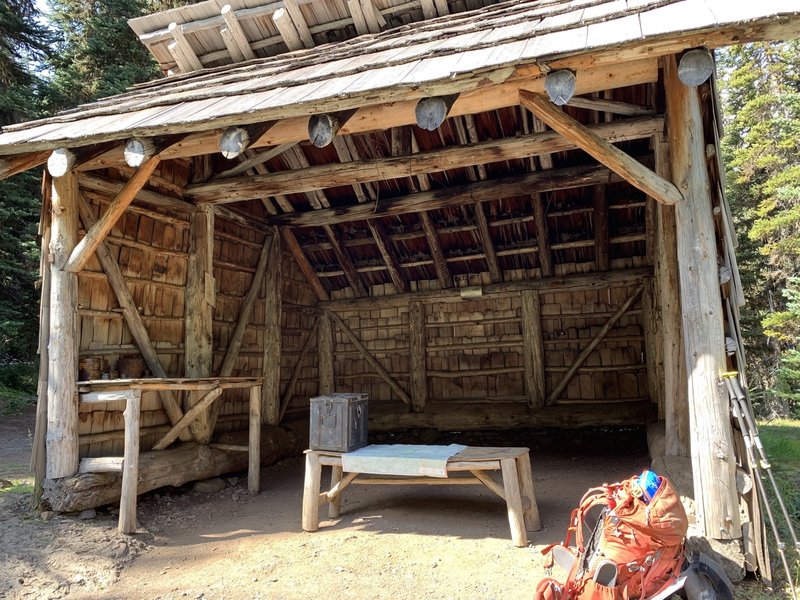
(560, 86)
(233, 142)
(696, 66)
(321, 129)
(137, 151)
(431, 113)
(60, 162)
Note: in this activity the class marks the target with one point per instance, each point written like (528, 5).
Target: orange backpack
(643, 540)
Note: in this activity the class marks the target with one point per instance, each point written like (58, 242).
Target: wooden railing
(130, 391)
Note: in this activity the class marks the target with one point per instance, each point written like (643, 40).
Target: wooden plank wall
(152, 254)
(474, 350)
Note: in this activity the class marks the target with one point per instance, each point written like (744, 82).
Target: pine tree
(761, 97)
(23, 44)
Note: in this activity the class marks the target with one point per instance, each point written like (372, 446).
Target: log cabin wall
(151, 247)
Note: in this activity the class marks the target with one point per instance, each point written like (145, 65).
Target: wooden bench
(472, 466)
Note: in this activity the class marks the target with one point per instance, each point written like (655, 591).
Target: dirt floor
(391, 542)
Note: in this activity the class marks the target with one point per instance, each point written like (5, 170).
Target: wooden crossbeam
(98, 232)
(567, 376)
(379, 368)
(601, 149)
(133, 319)
(199, 407)
(610, 106)
(320, 177)
(11, 165)
(286, 397)
(253, 159)
(482, 191)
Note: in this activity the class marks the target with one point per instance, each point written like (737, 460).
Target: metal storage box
(338, 422)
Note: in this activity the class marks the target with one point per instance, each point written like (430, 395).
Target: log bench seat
(472, 465)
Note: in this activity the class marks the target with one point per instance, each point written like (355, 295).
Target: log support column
(200, 301)
(325, 353)
(419, 375)
(712, 451)
(271, 390)
(62, 346)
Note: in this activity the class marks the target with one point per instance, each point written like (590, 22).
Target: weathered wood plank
(186, 420)
(303, 264)
(435, 249)
(542, 235)
(288, 393)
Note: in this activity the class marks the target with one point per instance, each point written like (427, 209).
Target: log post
(62, 396)
(419, 376)
(534, 348)
(254, 442)
(39, 453)
(713, 461)
(674, 386)
(200, 299)
(325, 353)
(130, 467)
(271, 388)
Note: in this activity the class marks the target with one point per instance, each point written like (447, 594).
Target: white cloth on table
(400, 459)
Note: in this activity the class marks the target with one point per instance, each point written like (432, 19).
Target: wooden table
(472, 466)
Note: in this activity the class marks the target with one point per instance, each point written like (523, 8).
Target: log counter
(516, 488)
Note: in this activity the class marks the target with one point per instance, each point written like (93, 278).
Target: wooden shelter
(382, 196)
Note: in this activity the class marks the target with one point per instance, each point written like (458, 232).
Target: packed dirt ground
(393, 542)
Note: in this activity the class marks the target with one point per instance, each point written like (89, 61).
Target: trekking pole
(758, 481)
(764, 462)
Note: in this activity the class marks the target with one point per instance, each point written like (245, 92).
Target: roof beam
(542, 235)
(288, 31)
(234, 35)
(359, 19)
(182, 50)
(611, 106)
(602, 150)
(12, 165)
(469, 133)
(253, 160)
(348, 152)
(324, 176)
(482, 191)
(299, 21)
(302, 262)
(95, 236)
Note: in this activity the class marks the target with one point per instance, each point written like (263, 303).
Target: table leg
(514, 501)
(310, 519)
(335, 505)
(532, 522)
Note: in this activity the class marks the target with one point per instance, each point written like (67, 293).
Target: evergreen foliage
(761, 98)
